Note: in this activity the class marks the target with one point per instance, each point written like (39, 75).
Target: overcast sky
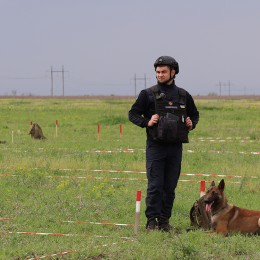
(102, 44)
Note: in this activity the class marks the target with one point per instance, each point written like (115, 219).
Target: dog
(36, 132)
(226, 218)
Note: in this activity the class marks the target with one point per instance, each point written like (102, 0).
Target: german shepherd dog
(227, 218)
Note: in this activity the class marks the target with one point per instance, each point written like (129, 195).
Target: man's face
(163, 73)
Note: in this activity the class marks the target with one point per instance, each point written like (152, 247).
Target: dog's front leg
(221, 228)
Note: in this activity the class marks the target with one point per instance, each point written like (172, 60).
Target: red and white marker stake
(57, 123)
(121, 130)
(202, 188)
(137, 211)
(98, 131)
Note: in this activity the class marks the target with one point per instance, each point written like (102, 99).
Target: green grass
(39, 195)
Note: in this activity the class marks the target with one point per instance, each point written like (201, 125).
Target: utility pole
(143, 79)
(221, 84)
(135, 84)
(51, 81)
(62, 71)
(62, 80)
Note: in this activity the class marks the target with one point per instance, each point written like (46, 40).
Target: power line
(21, 78)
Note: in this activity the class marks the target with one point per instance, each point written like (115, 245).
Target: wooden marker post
(57, 123)
(98, 131)
(121, 130)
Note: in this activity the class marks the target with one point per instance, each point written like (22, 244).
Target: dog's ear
(212, 184)
(221, 185)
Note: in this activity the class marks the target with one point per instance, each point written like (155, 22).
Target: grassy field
(52, 188)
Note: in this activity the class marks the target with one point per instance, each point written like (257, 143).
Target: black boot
(163, 224)
(151, 224)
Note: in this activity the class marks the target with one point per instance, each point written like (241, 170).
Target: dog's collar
(215, 213)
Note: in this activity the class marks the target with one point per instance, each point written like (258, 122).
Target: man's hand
(188, 123)
(154, 120)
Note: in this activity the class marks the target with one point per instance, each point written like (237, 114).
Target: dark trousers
(163, 166)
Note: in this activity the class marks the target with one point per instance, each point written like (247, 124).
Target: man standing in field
(168, 113)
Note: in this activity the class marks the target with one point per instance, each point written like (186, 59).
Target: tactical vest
(171, 127)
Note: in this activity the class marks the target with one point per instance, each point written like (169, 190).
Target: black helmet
(167, 61)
